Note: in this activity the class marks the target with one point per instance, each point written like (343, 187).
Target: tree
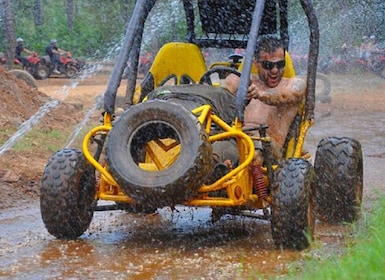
(38, 13)
(8, 31)
(70, 15)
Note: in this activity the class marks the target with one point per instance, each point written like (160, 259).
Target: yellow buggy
(158, 153)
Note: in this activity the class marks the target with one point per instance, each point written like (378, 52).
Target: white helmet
(18, 40)
(372, 37)
(53, 41)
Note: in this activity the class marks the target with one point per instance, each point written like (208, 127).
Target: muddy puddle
(183, 244)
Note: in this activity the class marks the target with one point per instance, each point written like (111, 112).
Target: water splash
(90, 70)
(54, 101)
(29, 124)
(97, 105)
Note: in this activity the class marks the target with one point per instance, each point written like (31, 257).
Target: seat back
(175, 63)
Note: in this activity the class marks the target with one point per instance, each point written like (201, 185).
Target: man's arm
(27, 51)
(291, 92)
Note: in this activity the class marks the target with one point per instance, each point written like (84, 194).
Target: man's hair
(268, 43)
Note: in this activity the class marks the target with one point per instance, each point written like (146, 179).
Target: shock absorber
(258, 181)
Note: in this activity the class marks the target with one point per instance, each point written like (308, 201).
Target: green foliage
(96, 25)
(49, 139)
(100, 24)
(364, 260)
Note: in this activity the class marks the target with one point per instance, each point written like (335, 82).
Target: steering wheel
(222, 72)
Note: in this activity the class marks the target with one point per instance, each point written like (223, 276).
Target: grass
(41, 139)
(363, 260)
(46, 140)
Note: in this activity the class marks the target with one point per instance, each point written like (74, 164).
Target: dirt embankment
(22, 163)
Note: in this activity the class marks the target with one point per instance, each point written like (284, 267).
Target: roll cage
(219, 24)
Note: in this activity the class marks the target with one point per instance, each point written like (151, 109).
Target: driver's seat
(176, 63)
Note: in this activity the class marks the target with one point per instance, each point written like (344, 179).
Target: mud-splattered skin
(274, 99)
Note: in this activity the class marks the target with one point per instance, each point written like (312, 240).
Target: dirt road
(184, 244)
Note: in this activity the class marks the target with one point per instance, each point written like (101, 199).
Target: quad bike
(145, 62)
(3, 59)
(34, 66)
(158, 154)
(67, 66)
(344, 63)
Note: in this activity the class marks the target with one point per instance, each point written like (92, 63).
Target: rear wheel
(339, 170)
(42, 71)
(323, 88)
(67, 193)
(293, 195)
(158, 153)
(381, 69)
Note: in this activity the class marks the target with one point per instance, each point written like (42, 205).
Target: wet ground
(185, 244)
(167, 245)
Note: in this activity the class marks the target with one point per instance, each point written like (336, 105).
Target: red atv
(35, 66)
(3, 60)
(67, 66)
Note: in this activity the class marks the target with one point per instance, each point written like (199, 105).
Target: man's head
(372, 38)
(270, 59)
(53, 41)
(19, 40)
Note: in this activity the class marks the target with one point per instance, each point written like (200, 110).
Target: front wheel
(339, 169)
(293, 195)
(67, 194)
(71, 71)
(42, 71)
(380, 69)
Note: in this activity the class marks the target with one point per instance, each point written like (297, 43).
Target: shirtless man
(274, 99)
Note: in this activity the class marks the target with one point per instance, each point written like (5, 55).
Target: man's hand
(253, 92)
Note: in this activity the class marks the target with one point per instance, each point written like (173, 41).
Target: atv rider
(54, 52)
(19, 50)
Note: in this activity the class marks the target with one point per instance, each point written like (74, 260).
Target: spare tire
(126, 145)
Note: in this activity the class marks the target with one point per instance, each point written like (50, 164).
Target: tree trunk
(38, 13)
(9, 31)
(70, 14)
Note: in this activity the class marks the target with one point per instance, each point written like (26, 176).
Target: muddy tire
(323, 95)
(42, 71)
(25, 76)
(293, 199)
(67, 193)
(339, 170)
(125, 149)
(381, 69)
(71, 71)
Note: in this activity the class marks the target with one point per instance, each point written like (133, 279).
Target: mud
(184, 244)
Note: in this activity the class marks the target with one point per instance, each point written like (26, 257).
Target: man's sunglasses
(268, 65)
